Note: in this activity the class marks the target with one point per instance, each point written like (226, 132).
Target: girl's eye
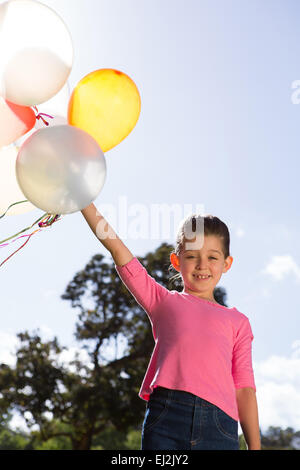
(211, 257)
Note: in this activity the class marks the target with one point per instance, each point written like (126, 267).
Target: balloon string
(42, 224)
(40, 116)
(21, 202)
(45, 221)
(18, 249)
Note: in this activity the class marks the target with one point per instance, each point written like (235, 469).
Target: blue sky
(218, 127)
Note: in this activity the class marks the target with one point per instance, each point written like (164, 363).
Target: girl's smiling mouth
(200, 277)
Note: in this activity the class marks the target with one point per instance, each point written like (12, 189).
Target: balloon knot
(40, 116)
(50, 220)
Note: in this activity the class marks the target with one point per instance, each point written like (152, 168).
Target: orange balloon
(107, 105)
(15, 121)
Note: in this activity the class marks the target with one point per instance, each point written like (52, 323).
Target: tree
(277, 438)
(34, 386)
(80, 404)
(13, 440)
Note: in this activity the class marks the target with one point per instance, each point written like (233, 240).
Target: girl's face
(207, 261)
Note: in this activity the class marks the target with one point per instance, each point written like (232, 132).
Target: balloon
(15, 121)
(10, 190)
(36, 52)
(61, 169)
(107, 105)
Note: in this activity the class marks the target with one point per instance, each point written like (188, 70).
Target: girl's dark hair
(195, 224)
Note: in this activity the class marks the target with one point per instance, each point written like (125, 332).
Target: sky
(219, 129)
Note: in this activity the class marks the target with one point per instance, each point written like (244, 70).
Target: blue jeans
(177, 420)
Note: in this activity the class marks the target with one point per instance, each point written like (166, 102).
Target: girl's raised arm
(107, 236)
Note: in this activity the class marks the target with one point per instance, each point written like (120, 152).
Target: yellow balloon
(106, 104)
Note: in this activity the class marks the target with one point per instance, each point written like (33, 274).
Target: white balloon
(36, 52)
(61, 169)
(10, 190)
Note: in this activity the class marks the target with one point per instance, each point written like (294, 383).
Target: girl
(200, 380)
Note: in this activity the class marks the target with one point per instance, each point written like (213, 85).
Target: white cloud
(46, 333)
(281, 266)
(279, 405)
(8, 344)
(18, 423)
(278, 389)
(69, 355)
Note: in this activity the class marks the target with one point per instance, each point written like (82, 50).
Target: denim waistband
(180, 396)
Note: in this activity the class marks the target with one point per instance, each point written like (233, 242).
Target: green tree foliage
(12, 440)
(280, 439)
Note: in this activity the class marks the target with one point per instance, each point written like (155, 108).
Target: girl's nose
(200, 264)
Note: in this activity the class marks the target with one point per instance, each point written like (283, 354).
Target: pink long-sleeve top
(200, 347)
